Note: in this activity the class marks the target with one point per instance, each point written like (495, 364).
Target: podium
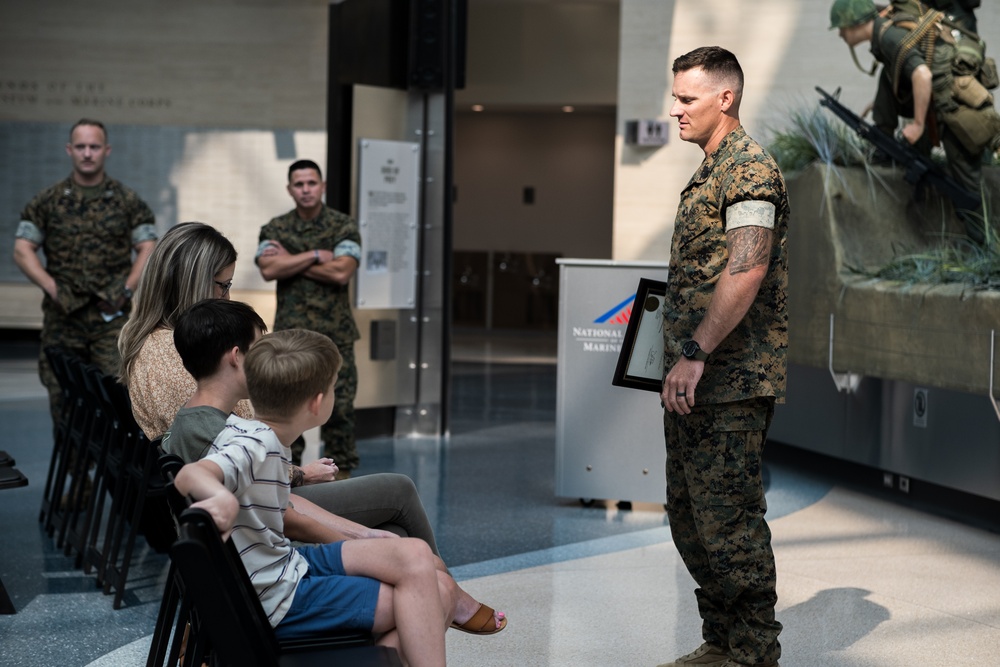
(609, 440)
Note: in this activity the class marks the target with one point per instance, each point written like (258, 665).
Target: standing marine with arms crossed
(313, 251)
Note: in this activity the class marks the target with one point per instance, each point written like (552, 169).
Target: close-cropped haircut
(89, 121)
(179, 273)
(304, 164)
(209, 329)
(285, 369)
(717, 62)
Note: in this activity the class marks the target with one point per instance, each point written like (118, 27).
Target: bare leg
(389, 639)
(465, 605)
(410, 599)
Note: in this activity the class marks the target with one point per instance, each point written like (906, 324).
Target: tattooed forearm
(297, 476)
(749, 247)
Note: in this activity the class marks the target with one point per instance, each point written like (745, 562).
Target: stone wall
(844, 221)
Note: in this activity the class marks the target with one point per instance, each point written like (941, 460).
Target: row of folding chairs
(103, 485)
(103, 479)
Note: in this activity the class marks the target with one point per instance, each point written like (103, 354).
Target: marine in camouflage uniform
(88, 233)
(724, 376)
(320, 305)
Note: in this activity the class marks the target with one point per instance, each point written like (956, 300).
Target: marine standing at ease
(725, 337)
(313, 252)
(96, 234)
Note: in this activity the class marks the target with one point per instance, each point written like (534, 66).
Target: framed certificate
(640, 362)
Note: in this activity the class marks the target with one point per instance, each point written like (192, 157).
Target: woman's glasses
(224, 286)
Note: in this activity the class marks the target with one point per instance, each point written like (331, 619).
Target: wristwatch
(127, 292)
(691, 350)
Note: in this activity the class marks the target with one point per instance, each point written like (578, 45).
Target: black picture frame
(640, 361)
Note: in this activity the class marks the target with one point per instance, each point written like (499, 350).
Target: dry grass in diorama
(816, 135)
(954, 260)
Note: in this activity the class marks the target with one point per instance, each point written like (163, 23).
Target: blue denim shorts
(327, 599)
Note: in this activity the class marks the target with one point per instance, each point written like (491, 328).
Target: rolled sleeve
(142, 233)
(348, 249)
(262, 246)
(750, 214)
(29, 231)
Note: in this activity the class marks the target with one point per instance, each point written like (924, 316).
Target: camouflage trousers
(716, 506)
(83, 333)
(337, 433)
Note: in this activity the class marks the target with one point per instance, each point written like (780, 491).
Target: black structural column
(417, 46)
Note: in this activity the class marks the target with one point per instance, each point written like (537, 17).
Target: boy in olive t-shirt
(212, 338)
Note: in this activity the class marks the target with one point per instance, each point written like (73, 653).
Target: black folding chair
(74, 468)
(173, 624)
(55, 354)
(89, 487)
(69, 423)
(132, 493)
(227, 611)
(101, 517)
(10, 478)
(174, 615)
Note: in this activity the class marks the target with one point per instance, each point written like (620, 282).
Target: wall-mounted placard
(388, 214)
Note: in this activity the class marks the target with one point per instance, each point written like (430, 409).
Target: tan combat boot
(706, 655)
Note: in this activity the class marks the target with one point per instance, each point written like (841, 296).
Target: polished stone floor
(863, 582)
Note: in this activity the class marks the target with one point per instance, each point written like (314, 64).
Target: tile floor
(863, 582)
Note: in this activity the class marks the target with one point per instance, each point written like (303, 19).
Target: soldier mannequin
(88, 225)
(912, 88)
(313, 252)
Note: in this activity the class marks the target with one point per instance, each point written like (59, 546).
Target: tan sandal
(482, 622)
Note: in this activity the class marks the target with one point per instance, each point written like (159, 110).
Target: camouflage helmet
(847, 13)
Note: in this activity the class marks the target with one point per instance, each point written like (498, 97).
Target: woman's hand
(317, 472)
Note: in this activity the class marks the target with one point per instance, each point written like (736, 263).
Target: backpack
(973, 119)
(926, 25)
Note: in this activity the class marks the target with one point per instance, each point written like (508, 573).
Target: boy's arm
(202, 481)
(303, 528)
(335, 525)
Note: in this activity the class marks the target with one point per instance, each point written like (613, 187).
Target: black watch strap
(692, 350)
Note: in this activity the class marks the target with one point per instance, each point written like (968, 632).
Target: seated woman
(194, 261)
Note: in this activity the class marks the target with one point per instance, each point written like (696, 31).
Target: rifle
(919, 168)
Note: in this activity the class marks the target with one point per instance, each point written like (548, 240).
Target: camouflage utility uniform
(87, 234)
(715, 495)
(894, 98)
(307, 304)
